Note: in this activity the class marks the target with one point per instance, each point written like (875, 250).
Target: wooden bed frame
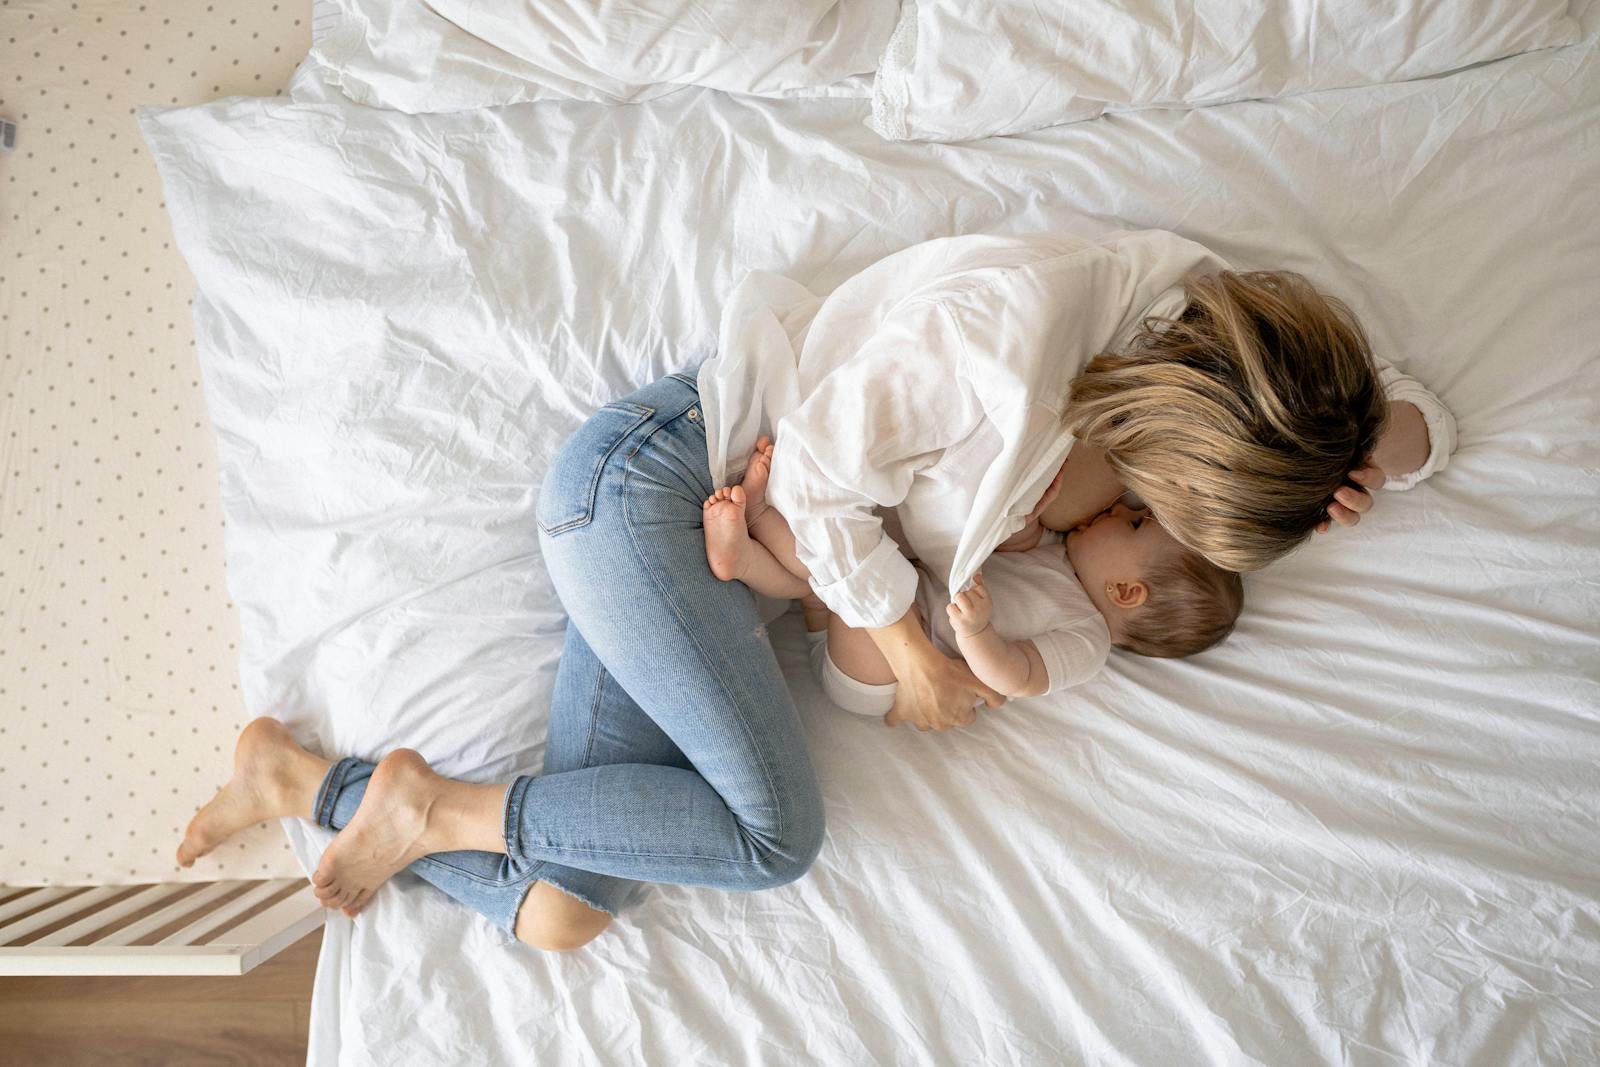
(170, 928)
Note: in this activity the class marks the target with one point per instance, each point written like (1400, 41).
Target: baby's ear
(1127, 594)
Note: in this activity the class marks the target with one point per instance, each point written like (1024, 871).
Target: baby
(1034, 621)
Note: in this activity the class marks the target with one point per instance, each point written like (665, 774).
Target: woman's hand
(1350, 502)
(937, 692)
(971, 611)
(1403, 448)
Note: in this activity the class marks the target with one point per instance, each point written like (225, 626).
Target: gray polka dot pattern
(119, 695)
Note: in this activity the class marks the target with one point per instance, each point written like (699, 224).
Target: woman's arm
(1417, 444)
(935, 692)
(1404, 447)
(855, 444)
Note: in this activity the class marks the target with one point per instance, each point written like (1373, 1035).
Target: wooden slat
(208, 924)
(103, 917)
(66, 908)
(127, 959)
(263, 936)
(33, 898)
(189, 905)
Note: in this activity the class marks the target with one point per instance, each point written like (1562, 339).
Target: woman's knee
(555, 921)
(796, 851)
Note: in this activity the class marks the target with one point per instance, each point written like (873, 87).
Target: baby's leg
(851, 670)
(766, 525)
(732, 554)
(855, 653)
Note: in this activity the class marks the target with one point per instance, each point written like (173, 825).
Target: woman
(945, 382)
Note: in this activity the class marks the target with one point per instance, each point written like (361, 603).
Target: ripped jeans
(675, 751)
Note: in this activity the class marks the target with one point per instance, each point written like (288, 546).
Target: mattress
(1364, 830)
(119, 642)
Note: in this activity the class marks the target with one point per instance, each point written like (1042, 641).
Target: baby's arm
(1014, 668)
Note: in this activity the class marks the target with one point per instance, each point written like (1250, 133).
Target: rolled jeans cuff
(512, 825)
(328, 792)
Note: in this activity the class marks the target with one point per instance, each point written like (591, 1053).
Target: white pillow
(956, 70)
(409, 56)
(762, 47)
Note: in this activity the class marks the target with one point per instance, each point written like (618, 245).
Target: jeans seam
(594, 714)
(645, 559)
(643, 415)
(460, 872)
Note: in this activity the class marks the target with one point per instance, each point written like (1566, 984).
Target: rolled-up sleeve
(1441, 424)
(855, 443)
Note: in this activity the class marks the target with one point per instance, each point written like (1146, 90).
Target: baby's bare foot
(755, 480)
(727, 541)
(389, 830)
(272, 777)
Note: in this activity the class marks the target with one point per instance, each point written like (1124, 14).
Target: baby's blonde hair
(1236, 421)
(1190, 605)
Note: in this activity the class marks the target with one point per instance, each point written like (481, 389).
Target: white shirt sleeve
(855, 443)
(1075, 653)
(1441, 424)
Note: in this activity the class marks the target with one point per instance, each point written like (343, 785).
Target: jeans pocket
(566, 500)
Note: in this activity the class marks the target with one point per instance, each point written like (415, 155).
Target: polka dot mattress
(119, 696)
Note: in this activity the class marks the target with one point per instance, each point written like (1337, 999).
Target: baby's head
(1158, 597)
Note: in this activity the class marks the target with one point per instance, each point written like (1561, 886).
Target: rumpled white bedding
(451, 55)
(1363, 831)
(1068, 60)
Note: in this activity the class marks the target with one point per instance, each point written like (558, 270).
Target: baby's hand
(970, 611)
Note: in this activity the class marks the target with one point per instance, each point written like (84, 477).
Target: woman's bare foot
(389, 830)
(755, 480)
(272, 776)
(728, 542)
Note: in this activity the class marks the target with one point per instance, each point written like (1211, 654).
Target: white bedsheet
(1363, 831)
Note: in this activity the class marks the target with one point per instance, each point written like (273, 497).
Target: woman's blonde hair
(1236, 421)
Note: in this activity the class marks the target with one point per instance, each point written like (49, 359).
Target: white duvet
(1363, 831)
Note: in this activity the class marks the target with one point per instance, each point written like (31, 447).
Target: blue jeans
(675, 751)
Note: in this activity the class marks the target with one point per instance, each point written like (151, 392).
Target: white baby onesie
(1037, 597)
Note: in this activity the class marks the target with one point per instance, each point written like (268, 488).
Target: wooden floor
(260, 1018)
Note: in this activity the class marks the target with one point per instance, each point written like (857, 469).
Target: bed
(1364, 830)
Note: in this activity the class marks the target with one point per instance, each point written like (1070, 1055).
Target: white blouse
(933, 383)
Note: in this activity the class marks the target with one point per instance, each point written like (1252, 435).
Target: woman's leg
(593, 721)
(620, 523)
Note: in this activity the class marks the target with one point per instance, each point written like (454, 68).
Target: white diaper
(856, 697)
